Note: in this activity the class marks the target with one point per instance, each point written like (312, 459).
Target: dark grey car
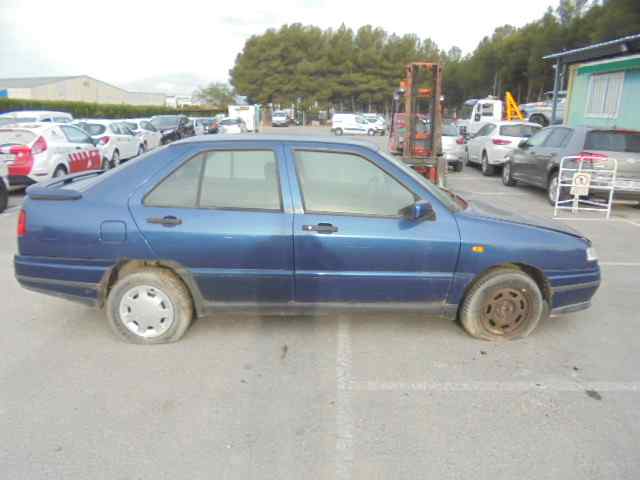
(536, 161)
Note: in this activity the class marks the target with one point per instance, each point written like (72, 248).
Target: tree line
(360, 70)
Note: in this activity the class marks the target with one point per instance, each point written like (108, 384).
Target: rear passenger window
(559, 138)
(180, 189)
(241, 180)
(348, 184)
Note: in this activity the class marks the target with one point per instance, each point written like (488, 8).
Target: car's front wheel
(554, 191)
(338, 131)
(149, 306)
(60, 171)
(504, 304)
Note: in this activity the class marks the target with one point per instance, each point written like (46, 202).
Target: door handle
(168, 221)
(324, 228)
(78, 148)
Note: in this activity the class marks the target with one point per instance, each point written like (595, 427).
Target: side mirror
(477, 118)
(524, 143)
(421, 210)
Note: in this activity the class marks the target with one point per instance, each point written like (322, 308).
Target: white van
(32, 116)
(475, 113)
(351, 124)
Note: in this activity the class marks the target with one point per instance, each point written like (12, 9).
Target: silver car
(536, 161)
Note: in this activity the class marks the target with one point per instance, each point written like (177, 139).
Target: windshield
(450, 130)
(165, 122)
(447, 198)
(622, 142)
(93, 128)
(519, 130)
(466, 112)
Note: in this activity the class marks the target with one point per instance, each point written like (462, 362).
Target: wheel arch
(127, 266)
(535, 273)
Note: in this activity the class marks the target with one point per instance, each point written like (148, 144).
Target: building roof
(252, 137)
(613, 48)
(30, 82)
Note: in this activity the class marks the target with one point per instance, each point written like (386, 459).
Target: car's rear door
(352, 245)
(224, 216)
(81, 152)
(525, 162)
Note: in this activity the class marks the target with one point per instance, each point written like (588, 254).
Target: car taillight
(39, 146)
(591, 158)
(104, 140)
(499, 141)
(22, 224)
(23, 162)
(460, 141)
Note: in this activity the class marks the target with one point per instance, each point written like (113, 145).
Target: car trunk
(623, 146)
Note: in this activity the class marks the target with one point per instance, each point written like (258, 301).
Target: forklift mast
(434, 167)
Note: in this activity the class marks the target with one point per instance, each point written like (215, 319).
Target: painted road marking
(344, 405)
(506, 386)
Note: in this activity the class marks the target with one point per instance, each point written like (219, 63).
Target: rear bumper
(20, 181)
(78, 280)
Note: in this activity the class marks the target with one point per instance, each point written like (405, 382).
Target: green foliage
(360, 70)
(217, 94)
(98, 110)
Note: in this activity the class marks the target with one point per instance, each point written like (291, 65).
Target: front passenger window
(345, 183)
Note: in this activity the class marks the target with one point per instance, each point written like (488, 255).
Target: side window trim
(344, 152)
(197, 205)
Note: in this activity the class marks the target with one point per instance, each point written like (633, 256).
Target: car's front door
(221, 216)
(478, 141)
(550, 152)
(524, 164)
(81, 152)
(353, 246)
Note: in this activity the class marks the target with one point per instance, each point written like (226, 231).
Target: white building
(179, 101)
(81, 88)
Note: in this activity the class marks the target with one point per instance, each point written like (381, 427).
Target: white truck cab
(475, 113)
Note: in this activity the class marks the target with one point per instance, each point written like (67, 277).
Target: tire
(507, 175)
(106, 164)
(371, 133)
(115, 159)
(504, 304)
(338, 132)
(552, 189)
(539, 119)
(4, 196)
(467, 160)
(165, 300)
(60, 171)
(140, 150)
(488, 170)
(457, 167)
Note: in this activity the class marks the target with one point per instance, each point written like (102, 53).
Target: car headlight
(592, 255)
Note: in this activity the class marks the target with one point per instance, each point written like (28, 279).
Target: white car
(453, 146)
(143, 129)
(230, 125)
(351, 124)
(40, 151)
(377, 121)
(32, 116)
(114, 139)
(495, 140)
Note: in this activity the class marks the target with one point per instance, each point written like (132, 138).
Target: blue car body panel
(253, 258)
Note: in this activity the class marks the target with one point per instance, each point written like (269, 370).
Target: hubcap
(146, 311)
(505, 311)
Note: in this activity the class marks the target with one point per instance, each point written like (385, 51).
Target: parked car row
(358, 124)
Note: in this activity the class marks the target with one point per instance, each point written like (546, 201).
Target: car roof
(31, 113)
(252, 137)
(35, 126)
(101, 121)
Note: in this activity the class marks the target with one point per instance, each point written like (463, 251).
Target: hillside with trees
(359, 70)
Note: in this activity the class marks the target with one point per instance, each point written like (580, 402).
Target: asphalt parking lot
(345, 397)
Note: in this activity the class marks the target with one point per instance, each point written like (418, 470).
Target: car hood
(484, 210)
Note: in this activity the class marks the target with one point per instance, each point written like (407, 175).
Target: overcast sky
(166, 45)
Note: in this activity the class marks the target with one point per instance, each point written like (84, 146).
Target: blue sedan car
(291, 225)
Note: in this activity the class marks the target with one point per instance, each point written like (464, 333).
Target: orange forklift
(416, 123)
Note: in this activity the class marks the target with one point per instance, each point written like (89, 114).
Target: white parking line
(601, 219)
(506, 386)
(344, 407)
(619, 264)
(510, 194)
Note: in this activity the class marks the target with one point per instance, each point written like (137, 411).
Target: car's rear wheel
(338, 131)
(149, 306)
(115, 159)
(4, 196)
(507, 175)
(539, 119)
(60, 171)
(371, 132)
(504, 304)
(487, 169)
